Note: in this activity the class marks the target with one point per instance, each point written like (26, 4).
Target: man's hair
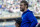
(25, 2)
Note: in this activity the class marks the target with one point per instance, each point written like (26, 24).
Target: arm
(32, 19)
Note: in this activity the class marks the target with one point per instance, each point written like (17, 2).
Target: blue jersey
(28, 19)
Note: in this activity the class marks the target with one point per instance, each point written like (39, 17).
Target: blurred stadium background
(10, 11)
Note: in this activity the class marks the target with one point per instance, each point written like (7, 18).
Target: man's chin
(21, 10)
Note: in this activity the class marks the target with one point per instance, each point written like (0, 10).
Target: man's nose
(20, 6)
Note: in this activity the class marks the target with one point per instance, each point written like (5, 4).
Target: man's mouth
(20, 9)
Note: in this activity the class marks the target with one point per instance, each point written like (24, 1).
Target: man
(18, 22)
(39, 25)
(28, 19)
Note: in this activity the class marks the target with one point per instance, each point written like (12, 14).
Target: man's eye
(20, 5)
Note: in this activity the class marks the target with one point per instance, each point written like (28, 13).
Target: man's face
(22, 7)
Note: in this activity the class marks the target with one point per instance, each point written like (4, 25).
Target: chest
(24, 17)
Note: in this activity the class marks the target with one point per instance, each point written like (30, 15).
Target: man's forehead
(21, 3)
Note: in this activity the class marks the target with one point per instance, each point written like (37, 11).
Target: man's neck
(25, 9)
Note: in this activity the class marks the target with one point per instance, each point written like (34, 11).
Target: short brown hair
(25, 2)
